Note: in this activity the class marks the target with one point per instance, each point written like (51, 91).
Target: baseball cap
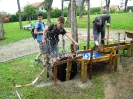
(98, 20)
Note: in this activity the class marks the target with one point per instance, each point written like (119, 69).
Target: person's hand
(108, 24)
(96, 43)
(76, 43)
(43, 41)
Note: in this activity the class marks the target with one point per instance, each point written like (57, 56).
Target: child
(39, 27)
(51, 37)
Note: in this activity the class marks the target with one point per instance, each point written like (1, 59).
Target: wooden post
(91, 59)
(129, 50)
(55, 75)
(84, 48)
(110, 65)
(117, 62)
(107, 35)
(68, 73)
(83, 71)
(72, 48)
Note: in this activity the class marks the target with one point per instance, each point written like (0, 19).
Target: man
(51, 37)
(39, 27)
(99, 27)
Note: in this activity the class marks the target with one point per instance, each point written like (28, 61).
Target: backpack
(32, 30)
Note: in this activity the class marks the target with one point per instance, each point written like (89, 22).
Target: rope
(24, 85)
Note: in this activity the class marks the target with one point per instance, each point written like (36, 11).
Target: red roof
(37, 4)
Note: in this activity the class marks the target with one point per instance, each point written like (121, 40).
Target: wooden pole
(107, 35)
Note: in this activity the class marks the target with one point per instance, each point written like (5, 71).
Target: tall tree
(69, 13)
(1, 26)
(19, 11)
(29, 10)
(125, 8)
(107, 6)
(48, 4)
(88, 29)
(74, 21)
(81, 8)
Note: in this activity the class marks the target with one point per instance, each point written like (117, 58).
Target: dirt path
(119, 85)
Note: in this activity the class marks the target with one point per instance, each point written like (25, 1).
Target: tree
(74, 21)
(81, 8)
(29, 10)
(48, 4)
(107, 6)
(1, 26)
(19, 10)
(88, 29)
(125, 9)
(69, 13)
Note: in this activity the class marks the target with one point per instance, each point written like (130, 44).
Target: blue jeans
(52, 49)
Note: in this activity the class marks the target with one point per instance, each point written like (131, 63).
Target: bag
(32, 30)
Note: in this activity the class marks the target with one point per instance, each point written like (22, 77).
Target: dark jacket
(97, 28)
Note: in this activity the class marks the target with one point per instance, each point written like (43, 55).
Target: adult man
(99, 27)
(39, 27)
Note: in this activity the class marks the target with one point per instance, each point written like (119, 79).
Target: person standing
(99, 27)
(39, 27)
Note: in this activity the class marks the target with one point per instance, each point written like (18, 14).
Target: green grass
(14, 33)
(122, 21)
(24, 70)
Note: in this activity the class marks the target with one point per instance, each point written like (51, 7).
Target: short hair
(39, 14)
(61, 19)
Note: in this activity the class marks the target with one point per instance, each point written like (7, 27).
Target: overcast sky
(10, 6)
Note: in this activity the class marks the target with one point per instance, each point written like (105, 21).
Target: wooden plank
(68, 60)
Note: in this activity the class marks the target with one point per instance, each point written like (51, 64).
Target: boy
(39, 27)
(51, 37)
(99, 27)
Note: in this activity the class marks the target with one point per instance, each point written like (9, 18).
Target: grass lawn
(24, 70)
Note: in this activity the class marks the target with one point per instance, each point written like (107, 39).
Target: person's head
(39, 16)
(98, 20)
(60, 21)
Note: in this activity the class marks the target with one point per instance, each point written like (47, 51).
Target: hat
(98, 20)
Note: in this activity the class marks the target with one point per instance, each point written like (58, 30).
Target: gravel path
(29, 46)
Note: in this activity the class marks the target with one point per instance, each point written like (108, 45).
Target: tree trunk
(1, 29)
(125, 9)
(19, 13)
(69, 13)
(81, 8)
(29, 18)
(48, 4)
(74, 21)
(107, 6)
(62, 8)
(88, 29)
(48, 16)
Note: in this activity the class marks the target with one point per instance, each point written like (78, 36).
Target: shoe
(38, 60)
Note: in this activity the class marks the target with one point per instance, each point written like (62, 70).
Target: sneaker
(38, 60)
